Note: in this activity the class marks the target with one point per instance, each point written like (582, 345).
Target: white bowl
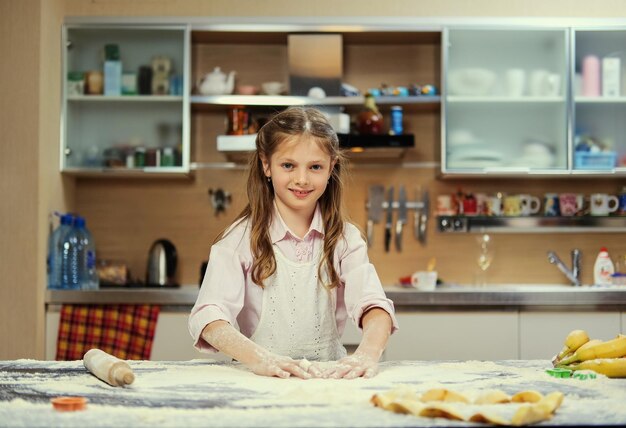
(471, 81)
(272, 88)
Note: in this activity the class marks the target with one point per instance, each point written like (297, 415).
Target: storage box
(112, 78)
(236, 143)
(595, 160)
(611, 74)
(315, 60)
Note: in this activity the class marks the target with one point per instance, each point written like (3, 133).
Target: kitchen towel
(126, 331)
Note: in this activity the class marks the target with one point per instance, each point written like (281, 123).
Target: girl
(290, 269)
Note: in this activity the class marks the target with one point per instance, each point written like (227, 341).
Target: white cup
(603, 204)
(445, 205)
(529, 205)
(493, 206)
(552, 86)
(515, 82)
(424, 280)
(538, 79)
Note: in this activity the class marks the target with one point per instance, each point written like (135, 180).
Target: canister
(396, 120)
(140, 157)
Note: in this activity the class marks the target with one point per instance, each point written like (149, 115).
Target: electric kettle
(162, 260)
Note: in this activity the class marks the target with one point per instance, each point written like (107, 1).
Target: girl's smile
(301, 194)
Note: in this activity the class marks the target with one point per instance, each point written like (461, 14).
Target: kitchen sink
(523, 287)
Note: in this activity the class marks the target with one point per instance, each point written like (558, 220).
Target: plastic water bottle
(54, 251)
(87, 274)
(68, 250)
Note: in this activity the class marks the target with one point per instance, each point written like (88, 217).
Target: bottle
(370, 120)
(396, 120)
(68, 250)
(55, 249)
(87, 273)
(591, 76)
(603, 269)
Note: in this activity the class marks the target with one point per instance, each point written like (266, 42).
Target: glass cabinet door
(125, 100)
(505, 101)
(599, 128)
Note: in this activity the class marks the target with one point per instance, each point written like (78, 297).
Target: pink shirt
(228, 293)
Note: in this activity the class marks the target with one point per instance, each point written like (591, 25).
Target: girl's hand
(356, 365)
(270, 364)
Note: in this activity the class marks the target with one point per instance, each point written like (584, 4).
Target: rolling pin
(108, 368)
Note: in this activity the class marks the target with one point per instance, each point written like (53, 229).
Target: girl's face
(300, 170)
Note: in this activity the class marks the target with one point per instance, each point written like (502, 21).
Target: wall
(18, 177)
(29, 181)
(401, 8)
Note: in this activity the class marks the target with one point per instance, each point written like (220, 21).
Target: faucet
(574, 274)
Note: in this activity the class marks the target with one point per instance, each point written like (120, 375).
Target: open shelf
(199, 102)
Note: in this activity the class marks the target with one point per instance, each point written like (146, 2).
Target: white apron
(298, 313)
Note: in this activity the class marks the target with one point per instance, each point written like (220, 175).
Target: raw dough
(444, 403)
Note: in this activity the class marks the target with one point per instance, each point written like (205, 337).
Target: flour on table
(199, 393)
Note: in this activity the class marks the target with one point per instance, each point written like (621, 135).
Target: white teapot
(216, 83)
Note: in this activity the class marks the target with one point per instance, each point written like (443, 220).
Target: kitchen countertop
(553, 297)
(204, 394)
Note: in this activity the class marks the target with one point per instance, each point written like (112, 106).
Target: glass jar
(370, 120)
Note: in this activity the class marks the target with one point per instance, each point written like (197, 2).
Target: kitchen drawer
(455, 335)
(542, 333)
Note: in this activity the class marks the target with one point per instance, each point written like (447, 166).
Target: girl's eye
(287, 165)
(316, 167)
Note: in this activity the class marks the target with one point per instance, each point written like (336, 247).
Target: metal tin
(396, 120)
(140, 157)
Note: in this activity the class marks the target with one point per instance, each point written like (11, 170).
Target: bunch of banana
(574, 340)
(608, 358)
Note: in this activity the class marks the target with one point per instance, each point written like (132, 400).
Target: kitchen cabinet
(542, 333)
(172, 341)
(599, 100)
(455, 335)
(505, 101)
(393, 56)
(135, 131)
(171, 337)
(52, 330)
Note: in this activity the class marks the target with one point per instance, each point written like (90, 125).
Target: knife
(402, 217)
(423, 218)
(375, 209)
(389, 222)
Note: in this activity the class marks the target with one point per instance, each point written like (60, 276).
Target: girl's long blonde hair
(292, 122)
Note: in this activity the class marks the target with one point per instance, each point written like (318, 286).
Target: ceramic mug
(424, 280)
(445, 205)
(603, 204)
(537, 85)
(512, 206)
(515, 82)
(529, 205)
(493, 206)
(481, 203)
(470, 206)
(551, 205)
(552, 86)
(521, 205)
(570, 203)
(622, 204)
